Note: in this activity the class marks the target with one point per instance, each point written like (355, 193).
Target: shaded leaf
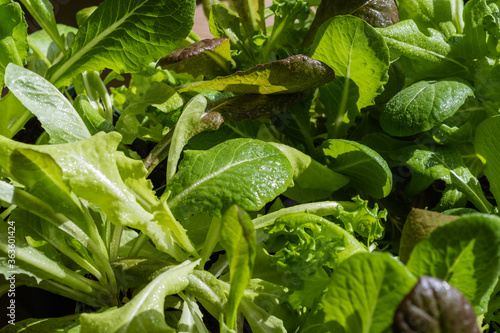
(379, 13)
(294, 74)
(208, 57)
(434, 306)
(487, 144)
(251, 13)
(367, 170)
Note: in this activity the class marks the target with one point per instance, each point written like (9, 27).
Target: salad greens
(336, 170)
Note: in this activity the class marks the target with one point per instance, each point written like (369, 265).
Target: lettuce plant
(335, 171)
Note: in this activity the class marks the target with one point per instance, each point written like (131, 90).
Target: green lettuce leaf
(51, 107)
(124, 36)
(145, 311)
(312, 181)
(13, 36)
(465, 253)
(237, 237)
(245, 172)
(360, 58)
(362, 296)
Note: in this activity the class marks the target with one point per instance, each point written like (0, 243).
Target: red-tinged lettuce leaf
(435, 306)
(293, 74)
(208, 57)
(248, 106)
(379, 13)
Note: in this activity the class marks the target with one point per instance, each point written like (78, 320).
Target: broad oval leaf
(294, 74)
(466, 254)
(360, 58)
(55, 112)
(363, 295)
(423, 105)
(208, 57)
(125, 35)
(245, 172)
(434, 306)
(368, 171)
(487, 146)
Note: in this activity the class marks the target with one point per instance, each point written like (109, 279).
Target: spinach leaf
(360, 58)
(423, 105)
(445, 163)
(124, 36)
(458, 252)
(245, 172)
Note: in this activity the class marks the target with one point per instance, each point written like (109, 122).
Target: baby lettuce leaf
(466, 254)
(362, 296)
(246, 172)
(96, 172)
(294, 74)
(435, 306)
(312, 180)
(185, 128)
(251, 13)
(311, 242)
(14, 115)
(367, 170)
(125, 35)
(237, 237)
(58, 117)
(487, 145)
(145, 312)
(431, 163)
(419, 225)
(360, 58)
(424, 105)
(43, 12)
(208, 57)
(94, 121)
(157, 94)
(13, 36)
